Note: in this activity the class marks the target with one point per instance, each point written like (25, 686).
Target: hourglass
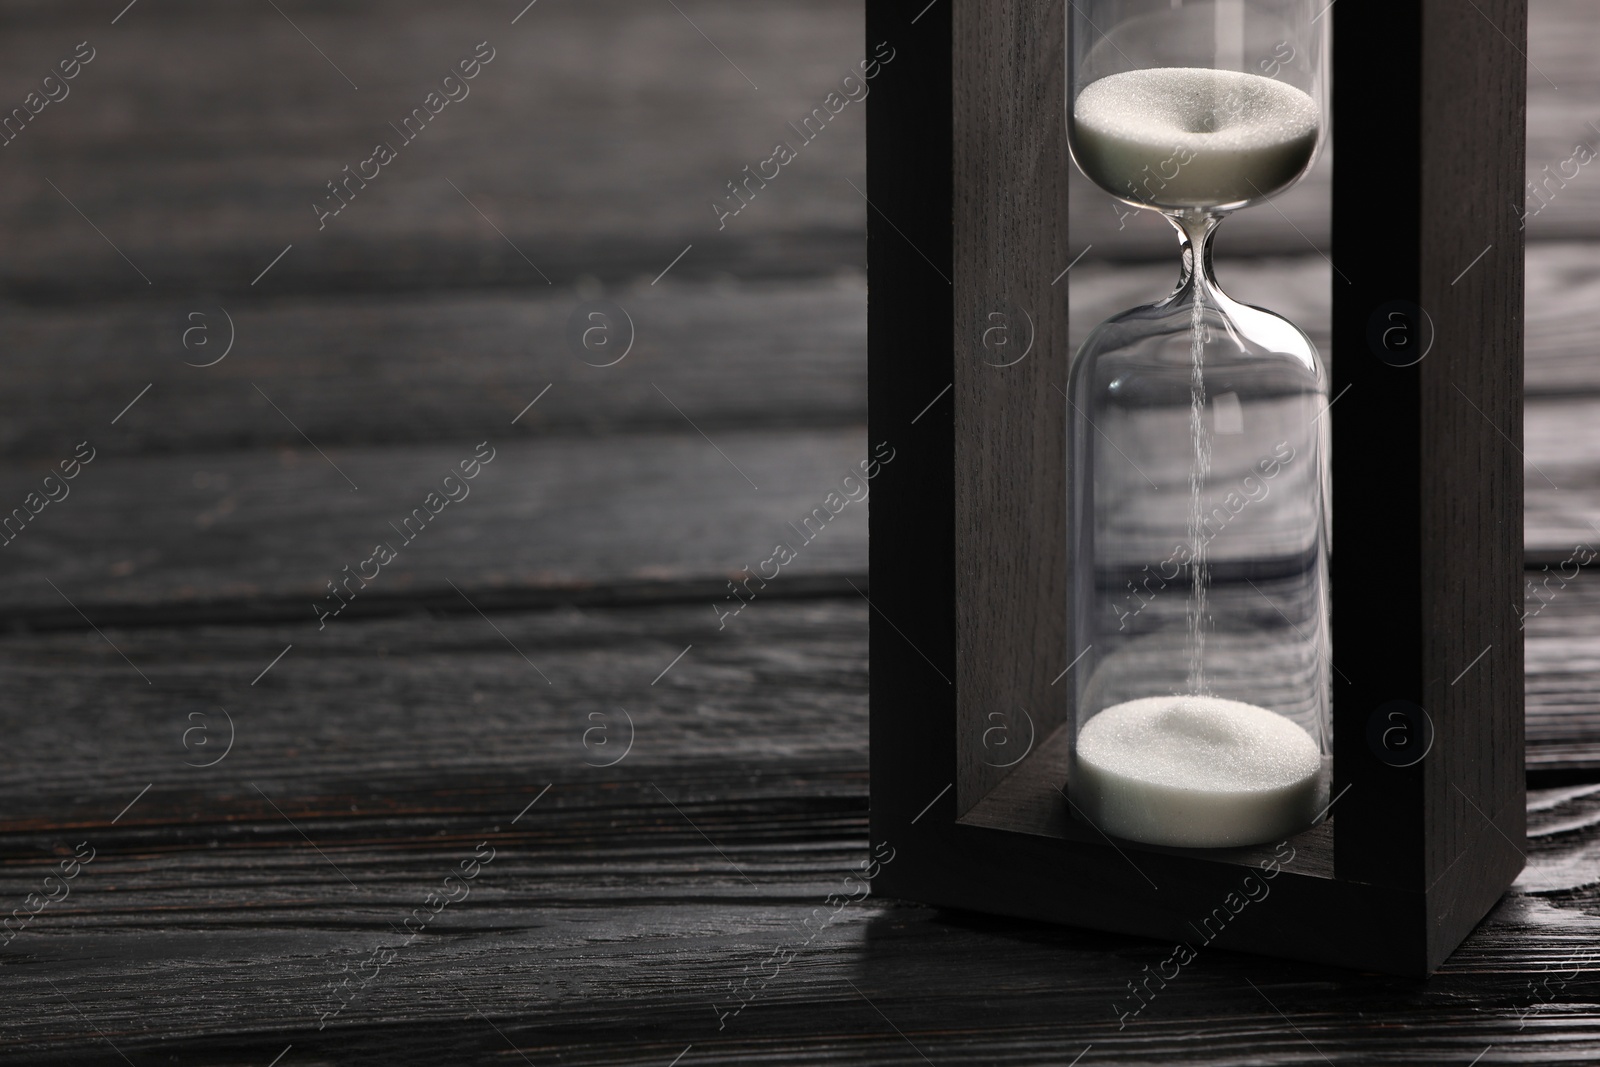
(1197, 442)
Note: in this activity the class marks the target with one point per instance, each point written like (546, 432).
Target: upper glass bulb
(1195, 107)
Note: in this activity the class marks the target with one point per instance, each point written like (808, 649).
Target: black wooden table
(520, 789)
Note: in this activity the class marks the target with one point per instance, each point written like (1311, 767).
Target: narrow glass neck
(1197, 280)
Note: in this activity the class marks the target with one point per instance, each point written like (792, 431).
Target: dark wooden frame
(967, 170)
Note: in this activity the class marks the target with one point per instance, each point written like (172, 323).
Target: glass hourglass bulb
(1197, 442)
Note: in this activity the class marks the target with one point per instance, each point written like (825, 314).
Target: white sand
(1179, 137)
(1196, 771)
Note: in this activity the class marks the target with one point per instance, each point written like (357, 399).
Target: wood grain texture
(406, 706)
(1441, 115)
(595, 141)
(526, 950)
(607, 926)
(1562, 628)
(437, 367)
(1008, 204)
(1473, 100)
(250, 532)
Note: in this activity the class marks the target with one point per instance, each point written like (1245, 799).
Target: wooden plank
(1442, 111)
(209, 930)
(388, 712)
(1562, 319)
(551, 941)
(1562, 626)
(1562, 485)
(1562, 87)
(1009, 161)
(262, 534)
(425, 369)
(596, 140)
